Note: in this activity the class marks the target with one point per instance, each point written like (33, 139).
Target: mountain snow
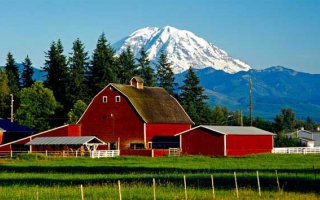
(183, 49)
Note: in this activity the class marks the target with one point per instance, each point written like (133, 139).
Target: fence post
(236, 184)
(46, 153)
(154, 189)
(212, 185)
(185, 187)
(258, 181)
(278, 184)
(81, 189)
(11, 154)
(37, 193)
(119, 185)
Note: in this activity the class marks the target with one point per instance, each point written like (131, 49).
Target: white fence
(92, 154)
(105, 153)
(174, 152)
(296, 150)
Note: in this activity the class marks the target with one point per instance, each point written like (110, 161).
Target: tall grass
(138, 191)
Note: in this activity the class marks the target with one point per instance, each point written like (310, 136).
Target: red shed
(132, 116)
(225, 141)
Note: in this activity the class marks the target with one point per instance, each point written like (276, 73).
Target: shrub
(31, 156)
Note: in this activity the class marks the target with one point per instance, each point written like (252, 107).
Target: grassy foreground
(32, 177)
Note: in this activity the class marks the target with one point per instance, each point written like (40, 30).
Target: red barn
(126, 117)
(225, 141)
(134, 117)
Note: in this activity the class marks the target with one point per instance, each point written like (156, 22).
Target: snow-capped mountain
(183, 49)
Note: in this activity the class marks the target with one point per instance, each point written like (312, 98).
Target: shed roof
(65, 140)
(233, 130)
(154, 104)
(306, 139)
(9, 126)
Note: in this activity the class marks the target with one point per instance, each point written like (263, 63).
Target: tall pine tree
(127, 67)
(57, 79)
(145, 71)
(78, 64)
(12, 72)
(4, 94)
(193, 99)
(102, 69)
(165, 76)
(27, 73)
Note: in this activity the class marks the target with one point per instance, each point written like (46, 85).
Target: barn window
(117, 98)
(136, 146)
(104, 99)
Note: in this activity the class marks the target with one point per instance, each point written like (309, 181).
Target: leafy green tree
(192, 98)
(4, 94)
(103, 69)
(27, 73)
(12, 72)
(165, 75)
(286, 121)
(77, 110)
(145, 71)
(283, 141)
(38, 105)
(127, 67)
(259, 122)
(78, 64)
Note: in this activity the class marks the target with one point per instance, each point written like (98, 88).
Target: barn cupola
(137, 82)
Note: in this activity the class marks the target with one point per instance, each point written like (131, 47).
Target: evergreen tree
(27, 73)
(145, 71)
(102, 70)
(286, 121)
(192, 98)
(12, 72)
(4, 94)
(165, 76)
(220, 115)
(57, 79)
(78, 64)
(38, 105)
(127, 67)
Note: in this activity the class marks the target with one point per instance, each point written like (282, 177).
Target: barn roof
(8, 126)
(65, 140)
(154, 104)
(233, 130)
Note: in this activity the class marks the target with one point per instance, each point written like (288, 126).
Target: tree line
(71, 82)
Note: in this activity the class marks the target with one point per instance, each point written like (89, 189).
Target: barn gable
(153, 104)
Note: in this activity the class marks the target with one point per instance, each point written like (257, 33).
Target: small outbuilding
(225, 141)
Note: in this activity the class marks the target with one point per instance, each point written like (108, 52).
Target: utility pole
(11, 106)
(250, 106)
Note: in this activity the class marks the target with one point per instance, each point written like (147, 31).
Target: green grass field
(60, 178)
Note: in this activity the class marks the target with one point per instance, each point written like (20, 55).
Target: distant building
(11, 131)
(308, 138)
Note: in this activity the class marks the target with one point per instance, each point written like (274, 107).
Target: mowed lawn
(29, 176)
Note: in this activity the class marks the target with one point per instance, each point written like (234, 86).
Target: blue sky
(262, 33)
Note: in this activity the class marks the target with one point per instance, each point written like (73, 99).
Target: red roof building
(134, 116)
(225, 141)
